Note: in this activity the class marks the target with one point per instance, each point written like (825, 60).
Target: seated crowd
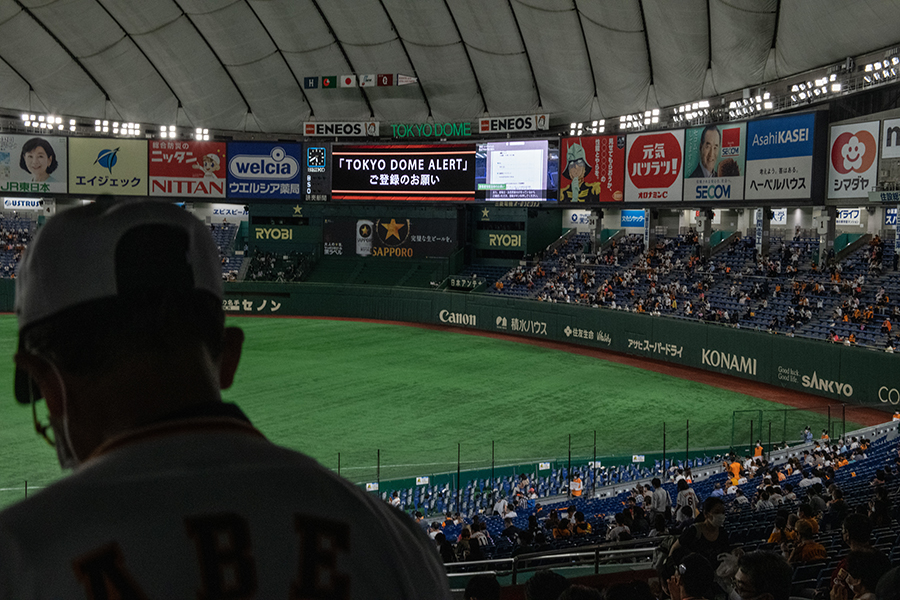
(787, 292)
(818, 525)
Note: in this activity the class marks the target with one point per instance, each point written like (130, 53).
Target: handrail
(596, 555)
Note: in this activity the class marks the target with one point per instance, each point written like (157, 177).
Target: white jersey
(208, 508)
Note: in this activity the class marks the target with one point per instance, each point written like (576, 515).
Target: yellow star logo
(297, 210)
(393, 229)
(484, 214)
(364, 230)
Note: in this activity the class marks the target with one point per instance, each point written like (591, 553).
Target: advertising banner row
(769, 159)
(765, 160)
(834, 371)
(184, 169)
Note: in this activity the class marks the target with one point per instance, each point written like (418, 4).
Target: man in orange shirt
(758, 450)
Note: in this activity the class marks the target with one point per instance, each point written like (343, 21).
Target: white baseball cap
(110, 249)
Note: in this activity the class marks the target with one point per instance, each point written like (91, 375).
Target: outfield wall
(849, 374)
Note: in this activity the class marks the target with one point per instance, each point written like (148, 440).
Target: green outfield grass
(329, 387)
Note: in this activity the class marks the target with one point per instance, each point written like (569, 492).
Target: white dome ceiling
(240, 64)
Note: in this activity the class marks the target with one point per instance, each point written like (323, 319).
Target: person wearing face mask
(707, 536)
(864, 569)
(175, 494)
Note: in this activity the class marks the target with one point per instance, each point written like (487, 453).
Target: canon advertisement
(409, 172)
(389, 237)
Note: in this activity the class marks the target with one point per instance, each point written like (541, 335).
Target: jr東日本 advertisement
(853, 164)
(389, 237)
(714, 159)
(264, 170)
(108, 166)
(187, 168)
(404, 172)
(654, 169)
(33, 164)
(592, 169)
(780, 158)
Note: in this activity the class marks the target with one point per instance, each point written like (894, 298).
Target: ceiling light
(767, 105)
(835, 87)
(869, 68)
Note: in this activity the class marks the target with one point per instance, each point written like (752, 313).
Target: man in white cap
(175, 494)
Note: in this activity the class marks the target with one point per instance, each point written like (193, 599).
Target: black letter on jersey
(226, 564)
(320, 540)
(104, 576)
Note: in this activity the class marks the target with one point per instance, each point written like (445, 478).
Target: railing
(595, 556)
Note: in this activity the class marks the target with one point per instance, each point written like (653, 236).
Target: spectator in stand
(482, 587)
(880, 508)
(581, 526)
(445, 549)
(806, 514)
(807, 549)
(659, 527)
(856, 532)
(581, 592)
(706, 536)
(837, 510)
(686, 497)
(693, 579)
(562, 530)
(781, 534)
(661, 502)
(763, 576)
(864, 569)
(545, 585)
(621, 531)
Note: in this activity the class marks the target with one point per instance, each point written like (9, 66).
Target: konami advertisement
(714, 158)
(655, 166)
(187, 169)
(592, 169)
(853, 164)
